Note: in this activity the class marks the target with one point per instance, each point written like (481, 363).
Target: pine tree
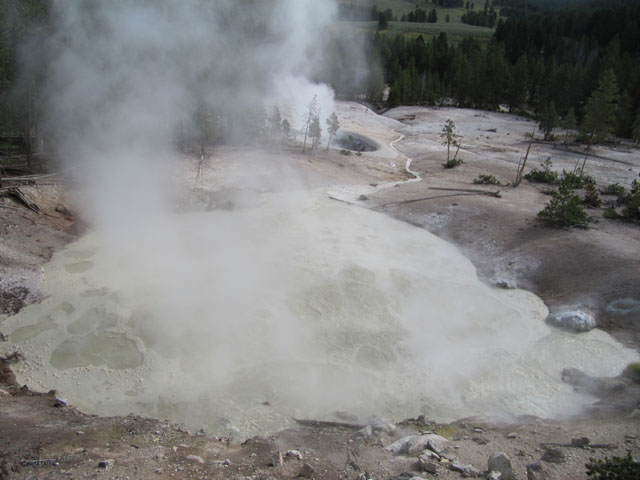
(383, 21)
(548, 120)
(635, 131)
(309, 117)
(624, 115)
(333, 125)
(564, 209)
(275, 122)
(568, 122)
(449, 135)
(315, 132)
(518, 84)
(601, 109)
(286, 129)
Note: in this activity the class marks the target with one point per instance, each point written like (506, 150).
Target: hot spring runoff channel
(301, 307)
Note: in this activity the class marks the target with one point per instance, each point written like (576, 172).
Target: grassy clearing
(401, 7)
(398, 6)
(455, 31)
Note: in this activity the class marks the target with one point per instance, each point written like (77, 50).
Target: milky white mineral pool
(298, 307)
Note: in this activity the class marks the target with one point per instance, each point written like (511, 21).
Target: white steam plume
(124, 73)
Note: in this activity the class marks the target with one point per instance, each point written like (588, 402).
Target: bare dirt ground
(41, 437)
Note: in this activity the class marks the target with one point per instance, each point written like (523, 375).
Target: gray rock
(106, 464)
(415, 444)
(480, 440)
(195, 458)
(504, 282)
(406, 476)
(436, 444)
(426, 465)
(542, 471)
(572, 320)
(60, 402)
(364, 433)
(306, 471)
(294, 453)
(499, 462)
(429, 455)
(377, 428)
(276, 459)
(449, 456)
(553, 455)
(465, 470)
(387, 428)
(580, 442)
(494, 476)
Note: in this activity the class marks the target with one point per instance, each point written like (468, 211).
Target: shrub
(486, 180)
(633, 372)
(564, 210)
(576, 180)
(611, 214)
(631, 210)
(592, 196)
(616, 468)
(452, 163)
(546, 175)
(614, 189)
(345, 152)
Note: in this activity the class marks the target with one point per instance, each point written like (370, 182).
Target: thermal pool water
(299, 307)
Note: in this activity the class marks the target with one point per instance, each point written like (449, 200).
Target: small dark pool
(355, 142)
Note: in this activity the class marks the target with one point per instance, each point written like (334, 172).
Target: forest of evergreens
(552, 60)
(575, 67)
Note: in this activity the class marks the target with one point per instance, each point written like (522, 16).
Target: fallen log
(17, 194)
(496, 194)
(322, 423)
(462, 191)
(607, 446)
(26, 179)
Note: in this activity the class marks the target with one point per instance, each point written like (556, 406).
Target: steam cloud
(240, 320)
(124, 74)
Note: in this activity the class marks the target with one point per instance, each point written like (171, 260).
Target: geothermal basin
(296, 306)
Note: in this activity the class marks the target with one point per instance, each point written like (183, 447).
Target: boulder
(106, 464)
(425, 464)
(306, 471)
(294, 453)
(465, 470)
(499, 462)
(276, 459)
(415, 444)
(572, 320)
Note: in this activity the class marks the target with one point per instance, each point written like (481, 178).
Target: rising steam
(292, 306)
(123, 76)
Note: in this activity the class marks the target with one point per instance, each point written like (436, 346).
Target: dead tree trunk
(524, 163)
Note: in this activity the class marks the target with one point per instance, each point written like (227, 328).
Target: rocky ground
(43, 437)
